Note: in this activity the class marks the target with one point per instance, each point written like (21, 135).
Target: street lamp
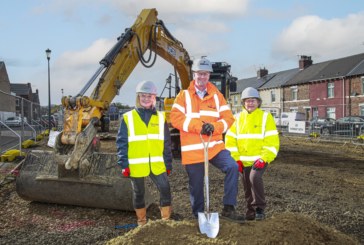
(48, 53)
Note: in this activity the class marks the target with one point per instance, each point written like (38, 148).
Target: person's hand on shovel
(207, 129)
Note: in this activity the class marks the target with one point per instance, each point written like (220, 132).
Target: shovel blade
(209, 224)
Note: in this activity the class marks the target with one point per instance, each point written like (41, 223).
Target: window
(362, 87)
(330, 112)
(272, 96)
(273, 112)
(314, 112)
(330, 90)
(294, 91)
(217, 83)
(293, 109)
(361, 109)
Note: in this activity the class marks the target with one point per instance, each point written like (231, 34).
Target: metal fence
(22, 119)
(346, 133)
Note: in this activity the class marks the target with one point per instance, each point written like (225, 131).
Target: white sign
(297, 127)
(52, 138)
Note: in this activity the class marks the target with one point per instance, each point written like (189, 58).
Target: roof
(3, 73)
(357, 70)
(331, 69)
(252, 82)
(4, 78)
(339, 67)
(21, 88)
(280, 78)
(35, 98)
(307, 75)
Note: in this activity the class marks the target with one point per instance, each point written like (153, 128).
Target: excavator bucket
(100, 184)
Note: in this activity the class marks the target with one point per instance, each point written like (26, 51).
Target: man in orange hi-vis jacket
(202, 109)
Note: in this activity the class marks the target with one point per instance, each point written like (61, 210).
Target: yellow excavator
(76, 172)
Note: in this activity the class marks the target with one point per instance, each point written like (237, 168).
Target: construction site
(314, 196)
(66, 185)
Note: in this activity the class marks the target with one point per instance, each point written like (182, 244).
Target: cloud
(318, 37)
(86, 57)
(73, 69)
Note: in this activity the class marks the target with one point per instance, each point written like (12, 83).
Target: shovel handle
(206, 165)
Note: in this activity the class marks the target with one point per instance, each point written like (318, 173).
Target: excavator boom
(76, 173)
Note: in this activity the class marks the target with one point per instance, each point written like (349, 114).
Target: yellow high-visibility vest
(145, 144)
(253, 136)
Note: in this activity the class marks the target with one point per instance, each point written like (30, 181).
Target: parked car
(349, 126)
(318, 123)
(13, 121)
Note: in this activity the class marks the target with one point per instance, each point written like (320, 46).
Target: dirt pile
(285, 228)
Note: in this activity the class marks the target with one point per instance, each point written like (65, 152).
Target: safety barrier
(336, 134)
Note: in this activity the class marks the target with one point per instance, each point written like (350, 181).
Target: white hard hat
(147, 87)
(202, 64)
(250, 92)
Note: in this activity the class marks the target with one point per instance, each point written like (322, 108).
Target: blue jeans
(227, 165)
(162, 183)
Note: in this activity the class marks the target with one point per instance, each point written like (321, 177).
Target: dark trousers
(227, 165)
(162, 183)
(254, 189)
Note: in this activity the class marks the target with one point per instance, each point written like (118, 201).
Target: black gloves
(207, 129)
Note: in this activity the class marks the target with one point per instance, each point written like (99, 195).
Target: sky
(247, 34)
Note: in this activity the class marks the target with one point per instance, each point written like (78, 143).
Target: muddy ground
(315, 193)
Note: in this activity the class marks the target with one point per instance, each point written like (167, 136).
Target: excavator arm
(82, 114)
(76, 173)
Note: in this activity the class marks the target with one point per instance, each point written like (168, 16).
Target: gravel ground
(312, 188)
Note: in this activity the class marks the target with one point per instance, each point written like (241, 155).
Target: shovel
(208, 222)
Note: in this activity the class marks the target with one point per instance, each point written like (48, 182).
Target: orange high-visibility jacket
(188, 114)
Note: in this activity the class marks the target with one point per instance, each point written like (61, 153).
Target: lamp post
(48, 53)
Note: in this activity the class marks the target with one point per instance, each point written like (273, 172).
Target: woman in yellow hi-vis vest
(144, 149)
(253, 142)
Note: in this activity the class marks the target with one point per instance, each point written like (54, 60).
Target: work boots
(250, 214)
(259, 214)
(141, 214)
(229, 213)
(166, 212)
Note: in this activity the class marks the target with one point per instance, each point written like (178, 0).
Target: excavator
(76, 172)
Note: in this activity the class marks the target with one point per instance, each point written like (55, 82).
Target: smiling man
(202, 109)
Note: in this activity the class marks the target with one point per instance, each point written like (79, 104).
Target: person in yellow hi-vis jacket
(144, 149)
(253, 142)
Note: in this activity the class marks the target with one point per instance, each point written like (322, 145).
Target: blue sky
(248, 34)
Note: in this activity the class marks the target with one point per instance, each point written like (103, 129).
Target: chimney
(262, 72)
(304, 62)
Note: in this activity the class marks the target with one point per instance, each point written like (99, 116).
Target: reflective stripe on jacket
(145, 144)
(188, 114)
(253, 136)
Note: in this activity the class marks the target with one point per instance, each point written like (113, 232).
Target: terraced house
(333, 88)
